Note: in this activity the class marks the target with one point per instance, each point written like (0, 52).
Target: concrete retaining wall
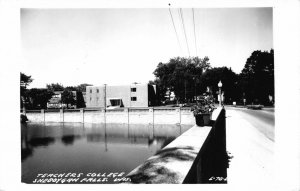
(122, 115)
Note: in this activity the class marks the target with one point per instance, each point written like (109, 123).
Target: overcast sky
(122, 46)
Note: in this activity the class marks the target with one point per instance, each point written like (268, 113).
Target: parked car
(255, 106)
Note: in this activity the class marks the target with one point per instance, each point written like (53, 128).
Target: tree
(80, 103)
(181, 76)
(55, 87)
(228, 78)
(39, 98)
(80, 100)
(82, 87)
(24, 82)
(68, 97)
(257, 77)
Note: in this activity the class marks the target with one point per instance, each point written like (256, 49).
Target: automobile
(255, 106)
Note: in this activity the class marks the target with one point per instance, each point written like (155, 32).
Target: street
(262, 120)
(250, 141)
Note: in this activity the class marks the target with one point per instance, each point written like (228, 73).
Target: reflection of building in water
(134, 95)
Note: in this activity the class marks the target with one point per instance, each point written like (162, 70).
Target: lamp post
(220, 86)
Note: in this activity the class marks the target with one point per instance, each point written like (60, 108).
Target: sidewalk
(253, 154)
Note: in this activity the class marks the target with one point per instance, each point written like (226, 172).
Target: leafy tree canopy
(39, 98)
(82, 87)
(180, 75)
(228, 78)
(257, 76)
(24, 82)
(55, 87)
(68, 97)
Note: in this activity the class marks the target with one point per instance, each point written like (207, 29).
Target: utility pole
(105, 96)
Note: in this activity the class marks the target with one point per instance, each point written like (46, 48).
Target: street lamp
(220, 86)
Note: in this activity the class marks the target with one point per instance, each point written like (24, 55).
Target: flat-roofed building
(134, 95)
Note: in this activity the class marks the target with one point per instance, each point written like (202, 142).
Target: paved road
(250, 140)
(263, 120)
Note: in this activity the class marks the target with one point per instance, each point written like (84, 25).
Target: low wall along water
(122, 115)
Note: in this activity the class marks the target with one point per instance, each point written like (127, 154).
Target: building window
(97, 90)
(97, 99)
(90, 98)
(90, 90)
(133, 89)
(133, 98)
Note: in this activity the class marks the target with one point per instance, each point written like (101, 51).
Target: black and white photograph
(175, 94)
(119, 91)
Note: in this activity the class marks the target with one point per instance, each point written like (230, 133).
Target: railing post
(127, 110)
(43, 114)
(151, 110)
(178, 110)
(61, 111)
(82, 113)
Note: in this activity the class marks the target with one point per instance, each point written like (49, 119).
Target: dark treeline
(191, 77)
(37, 98)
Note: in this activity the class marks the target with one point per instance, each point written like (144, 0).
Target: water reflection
(76, 147)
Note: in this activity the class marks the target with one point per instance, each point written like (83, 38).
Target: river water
(55, 148)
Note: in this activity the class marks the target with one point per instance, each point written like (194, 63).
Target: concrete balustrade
(149, 115)
(197, 156)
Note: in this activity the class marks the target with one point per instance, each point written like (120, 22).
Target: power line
(182, 21)
(175, 29)
(195, 31)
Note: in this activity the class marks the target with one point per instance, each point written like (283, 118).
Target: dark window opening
(133, 98)
(116, 102)
(133, 89)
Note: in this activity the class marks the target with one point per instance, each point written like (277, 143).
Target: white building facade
(134, 95)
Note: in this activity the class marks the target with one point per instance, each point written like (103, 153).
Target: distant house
(134, 95)
(170, 95)
(55, 101)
